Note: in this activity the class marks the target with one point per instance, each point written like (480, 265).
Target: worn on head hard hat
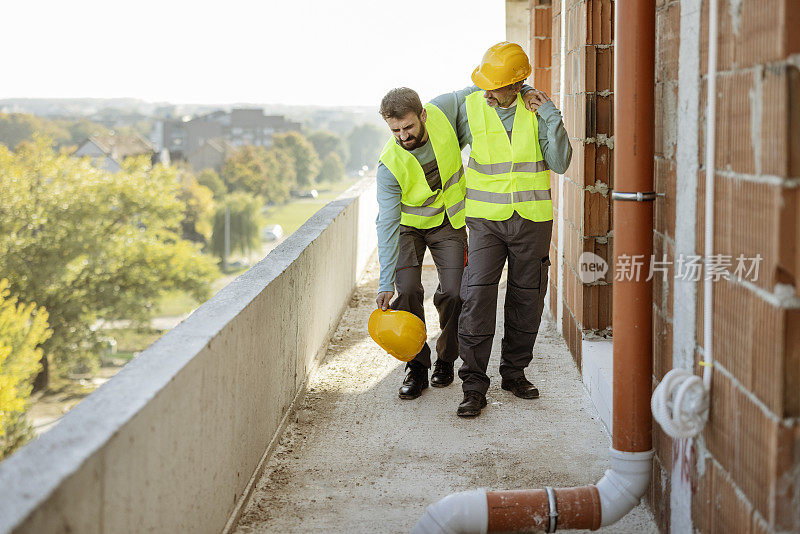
(399, 333)
(503, 64)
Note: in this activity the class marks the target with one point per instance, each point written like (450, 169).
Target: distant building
(211, 154)
(111, 149)
(239, 127)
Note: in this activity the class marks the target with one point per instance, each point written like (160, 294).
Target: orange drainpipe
(591, 507)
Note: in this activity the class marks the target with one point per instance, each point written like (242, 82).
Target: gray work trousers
(526, 245)
(448, 248)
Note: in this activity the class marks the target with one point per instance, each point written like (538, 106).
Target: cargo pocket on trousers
(407, 255)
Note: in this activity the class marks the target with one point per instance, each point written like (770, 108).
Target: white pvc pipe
(620, 489)
(562, 80)
(623, 486)
(711, 123)
(458, 513)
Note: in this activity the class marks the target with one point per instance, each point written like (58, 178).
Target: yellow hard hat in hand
(399, 333)
(503, 64)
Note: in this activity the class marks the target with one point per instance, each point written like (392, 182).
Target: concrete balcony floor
(356, 458)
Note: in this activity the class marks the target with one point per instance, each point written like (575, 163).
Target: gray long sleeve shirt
(553, 139)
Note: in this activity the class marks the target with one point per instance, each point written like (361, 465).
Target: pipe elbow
(623, 486)
(466, 512)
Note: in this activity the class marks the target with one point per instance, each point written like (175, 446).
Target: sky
(331, 53)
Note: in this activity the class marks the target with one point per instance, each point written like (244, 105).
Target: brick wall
(745, 468)
(751, 472)
(586, 101)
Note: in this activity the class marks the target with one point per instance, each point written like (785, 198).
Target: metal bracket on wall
(639, 196)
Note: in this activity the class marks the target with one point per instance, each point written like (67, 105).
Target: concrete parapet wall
(170, 443)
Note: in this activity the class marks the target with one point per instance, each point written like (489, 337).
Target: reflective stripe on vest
(505, 176)
(421, 207)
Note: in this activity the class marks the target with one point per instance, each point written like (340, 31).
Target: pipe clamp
(638, 196)
(552, 516)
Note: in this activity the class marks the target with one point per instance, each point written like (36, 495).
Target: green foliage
(266, 172)
(326, 142)
(332, 169)
(246, 170)
(306, 161)
(87, 244)
(18, 127)
(23, 328)
(210, 179)
(245, 224)
(281, 175)
(365, 143)
(198, 204)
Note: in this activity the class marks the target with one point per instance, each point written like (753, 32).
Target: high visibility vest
(506, 176)
(420, 206)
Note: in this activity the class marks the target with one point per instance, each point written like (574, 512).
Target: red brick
(787, 485)
(774, 126)
(766, 33)
(542, 22)
(588, 152)
(541, 80)
(792, 18)
(597, 213)
(604, 69)
(793, 116)
(604, 115)
(587, 74)
(662, 349)
(541, 53)
(760, 454)
(602, 165)
(667, 43)
(734, 147)
(756, 342)
(747, 222)
(601, 28)
(729, 510)
(788, 262)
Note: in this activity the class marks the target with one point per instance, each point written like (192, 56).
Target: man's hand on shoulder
(384, 297)
(534, 98)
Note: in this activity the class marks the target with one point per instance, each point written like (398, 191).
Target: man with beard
(421, 201)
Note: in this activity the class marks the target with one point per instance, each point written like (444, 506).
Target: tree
(326, 142)
(210, 179)
(23, 328)
(198, 204)
(332, 169)
(244, 218)
(306, 161)
(365, 143)
(266, 172)
(246, 170)
(18, 127)
(87, 244)
(281, 175)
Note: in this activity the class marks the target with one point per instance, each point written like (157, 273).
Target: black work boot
(416, 380)
(471, 406)
(520, 387)
(442, 374)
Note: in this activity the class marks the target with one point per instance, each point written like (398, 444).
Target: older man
(509, 214)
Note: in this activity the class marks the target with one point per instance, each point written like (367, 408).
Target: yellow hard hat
(399, 333)
(503, 64)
